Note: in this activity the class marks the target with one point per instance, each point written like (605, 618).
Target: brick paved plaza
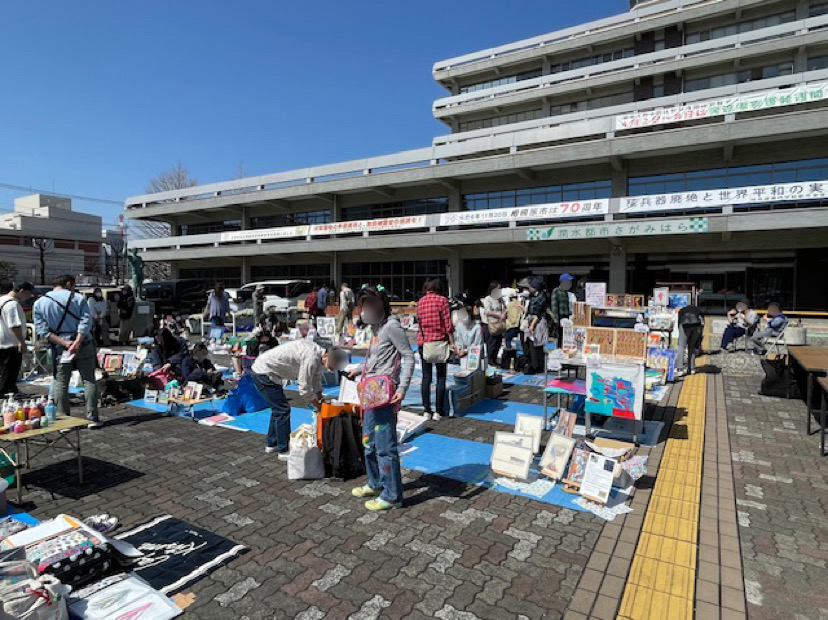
(459, 551)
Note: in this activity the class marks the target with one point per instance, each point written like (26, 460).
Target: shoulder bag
(378, 390)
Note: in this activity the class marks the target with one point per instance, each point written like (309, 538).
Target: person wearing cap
(559, 304)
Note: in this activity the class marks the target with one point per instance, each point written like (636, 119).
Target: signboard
(528, 213)
(720, 107)
(782, 192)
(360, 226)
(633, 228)
(596, 293)
(264, 233)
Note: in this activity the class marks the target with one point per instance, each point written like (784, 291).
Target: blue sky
(98, 96)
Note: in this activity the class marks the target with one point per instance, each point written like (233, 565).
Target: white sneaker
(427, 415)
(284, 456)
(94, 425)
(269, 450)
(437, 417)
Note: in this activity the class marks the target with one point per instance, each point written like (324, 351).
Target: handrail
(556, 37)
(632, 63)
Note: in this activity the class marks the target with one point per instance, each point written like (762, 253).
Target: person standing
(322, 301)
(560, 306)
(126, 308)
(388, 354)
(537, 330)
(99, 311)
(12, 336)
(258, 303)
(312, 303)
(218, 306)
(347, 301)
(467, 333)
(298, 360)
(691, 327)
(514, 315)
(62, 317)
(435, 340)
(495, 321)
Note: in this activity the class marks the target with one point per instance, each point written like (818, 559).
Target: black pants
(10, 361)
(492, 347)
(536, 358)
(425, 388)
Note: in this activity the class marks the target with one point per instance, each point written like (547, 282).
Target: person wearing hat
(559, 304)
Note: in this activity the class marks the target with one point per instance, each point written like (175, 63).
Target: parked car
(176, 296)
(281, 295)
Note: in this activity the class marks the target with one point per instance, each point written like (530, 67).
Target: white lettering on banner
(584, 208)
(690, 225)
(264, 233)
(720, 107)
(783, 192)
(357, 226)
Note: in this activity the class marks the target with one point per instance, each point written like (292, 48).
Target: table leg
(80, 456)
(587, 423)
(822, 424)
(26, 446)
(808, 399)
(18, 472)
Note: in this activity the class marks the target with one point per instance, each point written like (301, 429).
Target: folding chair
(777, 342)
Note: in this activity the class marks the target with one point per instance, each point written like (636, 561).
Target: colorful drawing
(556, 456)
(662, 359)
(113, 363)
(473, 358)
(661, 296)
(592, 349)
(616, 390)
(612, 300)
(574, 338)
(680, 300)
(654, 340)
(577, 465)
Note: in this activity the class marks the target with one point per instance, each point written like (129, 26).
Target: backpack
(343, 452)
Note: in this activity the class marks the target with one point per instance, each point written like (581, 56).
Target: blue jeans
(216, 321)
(731, 333)
(278, 431)
(382, 458)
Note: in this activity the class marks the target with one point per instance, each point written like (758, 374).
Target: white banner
(264, 233)
(783, 192)
(583, 208)
(719, 107)
(391, 223)
(630, 228)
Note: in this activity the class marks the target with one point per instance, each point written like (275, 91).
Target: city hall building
(684, 140)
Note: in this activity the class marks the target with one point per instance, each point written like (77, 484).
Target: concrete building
(74, 238)
(683, 140)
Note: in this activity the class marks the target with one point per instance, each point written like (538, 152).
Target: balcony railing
(617, 68)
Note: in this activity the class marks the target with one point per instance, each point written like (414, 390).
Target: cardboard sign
(597, 481)
(596, 293)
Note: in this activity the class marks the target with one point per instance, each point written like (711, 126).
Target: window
(403, 280)
(818, 9)
(739, 77)
(537, 195)
(506, 119)
(231, 276)
(590, 61)
(291, 219)
(204, 228)
(318, 274)
(817, 62)
(511, 79)
(733, 29)
(396, 209)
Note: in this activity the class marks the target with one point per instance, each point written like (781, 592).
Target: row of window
(739, 77)
(206, 228)
(304, 218)
(537, 195)
(734, 29)
(403, 280)
(591, 61)
(396, 209)
(496, 121)
(509, 79)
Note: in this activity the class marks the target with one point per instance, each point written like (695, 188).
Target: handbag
(305, 459)
(378, 390)
(436, 352)
(41, 598)
(158, 379)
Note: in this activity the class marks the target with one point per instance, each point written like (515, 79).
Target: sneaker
(95, 425)
(427, 415)
(436, 417)
(363, 491)
(284, 456)
(451, 413)
(270, 449)
(380, 505)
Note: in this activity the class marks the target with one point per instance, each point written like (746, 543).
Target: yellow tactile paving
(663, 573)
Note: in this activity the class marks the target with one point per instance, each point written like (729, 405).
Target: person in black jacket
(691, 329)
(197, 368)
(169, 352)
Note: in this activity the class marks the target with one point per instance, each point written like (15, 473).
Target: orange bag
(327, 412)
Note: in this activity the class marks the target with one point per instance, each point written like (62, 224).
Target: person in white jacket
(99, 311)
(298, 360)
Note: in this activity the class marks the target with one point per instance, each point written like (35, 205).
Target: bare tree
(8, 269)
(42, 245)
(176, 177)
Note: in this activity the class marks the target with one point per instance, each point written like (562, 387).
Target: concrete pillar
(455, 196)
(454, 274)
(245, 219)
(801, 60)
(617, 270)
(245, 269)
(336, 210)
(336, 270)
(619, 182)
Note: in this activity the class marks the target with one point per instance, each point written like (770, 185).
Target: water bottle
(51, 411)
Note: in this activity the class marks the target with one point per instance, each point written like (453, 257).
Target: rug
(178, 553)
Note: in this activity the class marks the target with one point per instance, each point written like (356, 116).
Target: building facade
(684, 140)
(71, 240)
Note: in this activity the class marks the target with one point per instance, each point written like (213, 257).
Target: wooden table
(823, 383)
(47, 438)
(814, 361)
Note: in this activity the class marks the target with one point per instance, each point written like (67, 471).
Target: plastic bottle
(8, 414)
(51, 410)
(19, 414)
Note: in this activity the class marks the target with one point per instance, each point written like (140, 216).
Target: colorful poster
(596, 293)
(662, 359)
(616, 390)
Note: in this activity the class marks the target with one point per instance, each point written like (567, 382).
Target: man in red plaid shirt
(436, 333)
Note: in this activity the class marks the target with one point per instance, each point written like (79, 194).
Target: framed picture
(662, 359)
(511, 460)
(654, 340)
(556, 456)
(592, 349)
(611, 300)
(113, 363)
(532, 425)
(514, 439)
(597, 480)
(616, 390)
(151, 396)
(680, 299)
(574, 338)
(565, 425)
(326, 327)
(661, 296)
(473, 358)
(577, 466)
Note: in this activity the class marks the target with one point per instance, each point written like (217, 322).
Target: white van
(282, 295)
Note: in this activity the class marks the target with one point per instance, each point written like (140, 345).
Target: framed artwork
(602, 336)
(595, 293)
(662, 359)
(473, 358)
(591, 349)
(661, 296)
(577, 466)
(407, 321)
(326, 327)
(129, 366)
(151, 396)
(612, 300)
(597, 480)
(511, 460)
(362, 338)
(556, 456)
(581, 313)
(616, 390)
(532, 425)
(574, 338)
(654, 340)
(113, 363)
(566, 423)
(680, 299)
(514, 439)
(637, 301)
(630, 343)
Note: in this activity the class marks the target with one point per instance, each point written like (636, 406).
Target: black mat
(177, 553)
